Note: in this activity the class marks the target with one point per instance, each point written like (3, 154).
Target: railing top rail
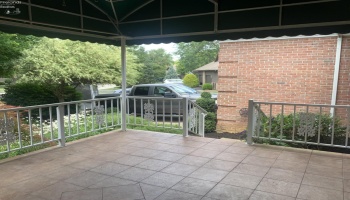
(301, 104)
(57, 104)
(200, 108)
(140, 97)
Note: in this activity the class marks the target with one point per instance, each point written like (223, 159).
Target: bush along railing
(312, 124)
(25, 129)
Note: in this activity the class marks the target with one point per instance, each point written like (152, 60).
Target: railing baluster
(112, 113)
(163, 113)
(179, 105)
(19, 129)
(41, 125)
(270, 123)
(135, 111)
(106, 121)
(333, 123)
(30, 126)
(171, 114)
(141, 111)
(128, 109)
(85, 124)
(118, 103)
(156, 112)
(282, 118)
(294, 111)
(259, 119)
(347, 127)
(8, 146)
(148, 104)
(319, 126)
(99, 122)
(69, 120)
(307, 111)
(77, 117)
(92, 115)
(51, 126)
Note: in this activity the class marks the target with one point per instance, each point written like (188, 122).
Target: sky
(169, 48)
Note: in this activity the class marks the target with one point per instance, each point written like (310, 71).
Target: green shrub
(30, 94)
(191, 80)
(2, 83)
(210, 116)
(210, 126)
(206, 104)
(206, 95)
(207, 86)
(287, 128)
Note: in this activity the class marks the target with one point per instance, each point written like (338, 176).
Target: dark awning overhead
(156, 21)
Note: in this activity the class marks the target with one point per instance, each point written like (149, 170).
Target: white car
(174, 81)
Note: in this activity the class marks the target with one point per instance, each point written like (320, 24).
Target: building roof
(213, 66)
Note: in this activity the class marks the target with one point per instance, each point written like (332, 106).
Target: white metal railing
(314, 124)
(24, 127)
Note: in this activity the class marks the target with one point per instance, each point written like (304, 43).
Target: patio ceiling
(156, 21)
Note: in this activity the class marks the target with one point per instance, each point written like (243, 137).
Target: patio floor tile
(324, 182)
(239, 150)
(265, 162)
(278, 187)
(258, 195)
(135, 174)
(266, 153)
(242, 180)
(205, 153)
(326, 161)
(292, 166)
(180, 169)
(193, 160)
(123, 192)
(168, 156)
(324, 171)
(221, 165)
(251, 169)
(110, 168)
(230, 157)
(151, 192)
(86, 179)
(86, 194)
(130, 160)
(163, 180)
(229, 192)
(194, 186)
(316, 193)
(153, 164)
(55, 191)
(285, 175)
(112, 182)
(209, 174)
(172, 195)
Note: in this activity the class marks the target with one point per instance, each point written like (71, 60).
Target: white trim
(283, 38)
(336, 73)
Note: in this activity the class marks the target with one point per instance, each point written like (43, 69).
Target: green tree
(11, 47)
(171, 73)
(60, 63)
(195, 54)
(154, 64)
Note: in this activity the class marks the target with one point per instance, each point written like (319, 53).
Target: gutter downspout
(336, 73)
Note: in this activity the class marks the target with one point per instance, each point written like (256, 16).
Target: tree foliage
(171, 73)
(154, 64)
(195, 54)
(59, 63)
(11, 47)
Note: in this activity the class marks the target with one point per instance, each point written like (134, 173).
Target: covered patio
(151, 165)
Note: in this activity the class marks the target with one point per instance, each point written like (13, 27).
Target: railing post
(60, 125)
(185, 116)
(250, 121)
(201, 124)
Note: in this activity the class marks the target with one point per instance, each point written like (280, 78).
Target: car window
(141, 91)
(160, 91)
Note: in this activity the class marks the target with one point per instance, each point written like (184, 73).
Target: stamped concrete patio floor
(149, 165)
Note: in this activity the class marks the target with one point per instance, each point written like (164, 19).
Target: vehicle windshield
(182, 89)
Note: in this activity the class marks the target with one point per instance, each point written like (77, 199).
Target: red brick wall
(298, 70)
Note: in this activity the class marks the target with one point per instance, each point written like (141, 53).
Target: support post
(250, 121)
(202, 124)
(123, 101)
(60, 124)
(336, 74)
(185, 116)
